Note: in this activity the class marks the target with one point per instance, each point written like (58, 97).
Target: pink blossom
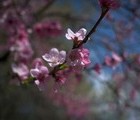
(21, 70)
(37, 62)
(79, 58)
(40, 72)
(113, 61)
(61, 77)
(48, 28)
(138, 59)
(10, 21)
(113, 4)
(20, 46)
(23, 51)
(55, 57)
(78, 36)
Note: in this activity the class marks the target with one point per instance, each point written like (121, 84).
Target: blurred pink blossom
(113, 4)
(21, 70)
(37, 62)
(61, 76)
(40, 72)
(20, 45)
(113, 61)
(48, 28)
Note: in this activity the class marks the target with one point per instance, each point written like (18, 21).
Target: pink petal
(116, 57)
(67, 36)
(37, 82)
(81, 33)
(47, 57)
(53, 64)
(83, 30)
(21, 69)
(37, 62)
(108, 60)
(62, 56)
(70, 33)
(44, 70)
(54, 52)
(34, 72)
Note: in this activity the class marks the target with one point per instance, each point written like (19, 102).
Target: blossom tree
(83, 68)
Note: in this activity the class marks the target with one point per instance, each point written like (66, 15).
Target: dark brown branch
(104, 12)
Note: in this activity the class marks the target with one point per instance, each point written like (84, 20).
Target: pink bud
(113, 4)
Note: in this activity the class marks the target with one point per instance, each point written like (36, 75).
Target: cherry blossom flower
(40, 72)
(78, 36)
(113, 4)
(55, 57)
(21, 70)
(79, 58)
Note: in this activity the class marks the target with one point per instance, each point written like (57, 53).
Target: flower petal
(62, 56)
(44, 70)
(68, 37)
(37, 82)
(47, 57)
(34, 72)
(21, 70)
(81, 33)
(54, 52)
(53, 64)
(116, 57)
(71, 33)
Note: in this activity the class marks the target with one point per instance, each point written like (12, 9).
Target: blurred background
(108, 89)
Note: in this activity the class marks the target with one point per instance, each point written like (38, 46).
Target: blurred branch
(26, 2)
(5, 56)
(43, 9)
(133, 106)
(68, 16)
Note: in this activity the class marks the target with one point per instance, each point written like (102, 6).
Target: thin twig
(41, 11)
(93, 29)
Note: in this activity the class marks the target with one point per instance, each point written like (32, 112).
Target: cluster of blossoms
(48, 28)
(20, 45)
(77, 107)
(111, 61)
(62, 62)
(22, 52)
